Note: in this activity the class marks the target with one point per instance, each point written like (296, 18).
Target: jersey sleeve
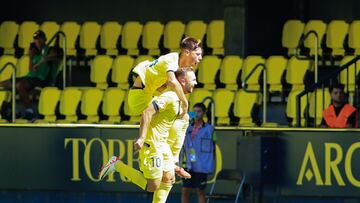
(172, 64)
(161, 103)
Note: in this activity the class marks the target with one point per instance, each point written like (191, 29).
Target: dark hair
(337, 86)
(190, 43)
(39, 34)
(201, 106)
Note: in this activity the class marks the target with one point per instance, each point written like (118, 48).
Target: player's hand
(138, 144)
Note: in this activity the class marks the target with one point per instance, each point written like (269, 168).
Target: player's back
(154, 74)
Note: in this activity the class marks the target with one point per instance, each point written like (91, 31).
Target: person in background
(199, 148)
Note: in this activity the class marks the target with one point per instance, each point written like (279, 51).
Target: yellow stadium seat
(320, 28)
(71, 30)
(208, 67)
(121, 69)
(223, 99)
(109, 36)
(243, 107)
(323, 100)
(112, 100)
(215, 36)
(291, 107)
(196, 29)
(249, 64)
(335, 36)
(134, 118)
(89, 34)
(22, 66)
(291, 34)
(49, 98)
(349, 73)
(296, 70)
(152, 32)
(142, 58)
(4, 97)
(50, 28)
(173, 34)
(131, 33)
(198, 95)
(7, 73)
(275, 68)
(8, 32)
(100, 68)
(354, 33)
(229, 71)
(26, 34)
(69, 101)
(90, 101)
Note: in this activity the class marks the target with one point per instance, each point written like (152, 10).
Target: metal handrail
(64, 55)
(264, 87)
(13, 89)
(318, 84)
(212, 102)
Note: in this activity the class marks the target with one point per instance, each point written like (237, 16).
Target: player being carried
(155, 156)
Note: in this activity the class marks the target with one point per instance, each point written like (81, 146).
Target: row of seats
(113, 98)
(230, 67)
(111, 32)
(335, 32)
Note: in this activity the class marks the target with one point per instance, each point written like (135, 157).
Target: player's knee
(152, 186)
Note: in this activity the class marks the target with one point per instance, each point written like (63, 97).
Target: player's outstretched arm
(144, 124)
(174, 84)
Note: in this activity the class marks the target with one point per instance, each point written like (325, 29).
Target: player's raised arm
(174, 84)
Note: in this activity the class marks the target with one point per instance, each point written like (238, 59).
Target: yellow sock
(161, 194)
(132, 174)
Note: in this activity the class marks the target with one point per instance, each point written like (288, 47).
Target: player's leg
(138, 101)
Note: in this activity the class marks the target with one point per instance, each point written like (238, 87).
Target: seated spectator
(43, 60)
(199, 148)
(339, 114)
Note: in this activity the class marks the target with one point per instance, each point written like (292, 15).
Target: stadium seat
(90, 101)
(71, 30)
(112, 100)
(50, 28)
(296, 70)
(121, 68)
(7, 73)
(89, 34)
(229, 71)
(291, 107)
(109, 36)
(198, 95)
(49, 98)
(208, 67)
(134, 118)
(320, 28)
(152, 32)
(69, 101)
(349, 72)
(131, 33)
(26, 33)
(354, 33)
(173, 34)
(142, 58)
(291, 34)
(4, 97)
(100, 68)
(223, 99)
(243, 106)
(215, 36)
(8, 32)
(196, 29)
(276, 66)
(335, 36)
(249, 64)
(322, 102)
(22, 66)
